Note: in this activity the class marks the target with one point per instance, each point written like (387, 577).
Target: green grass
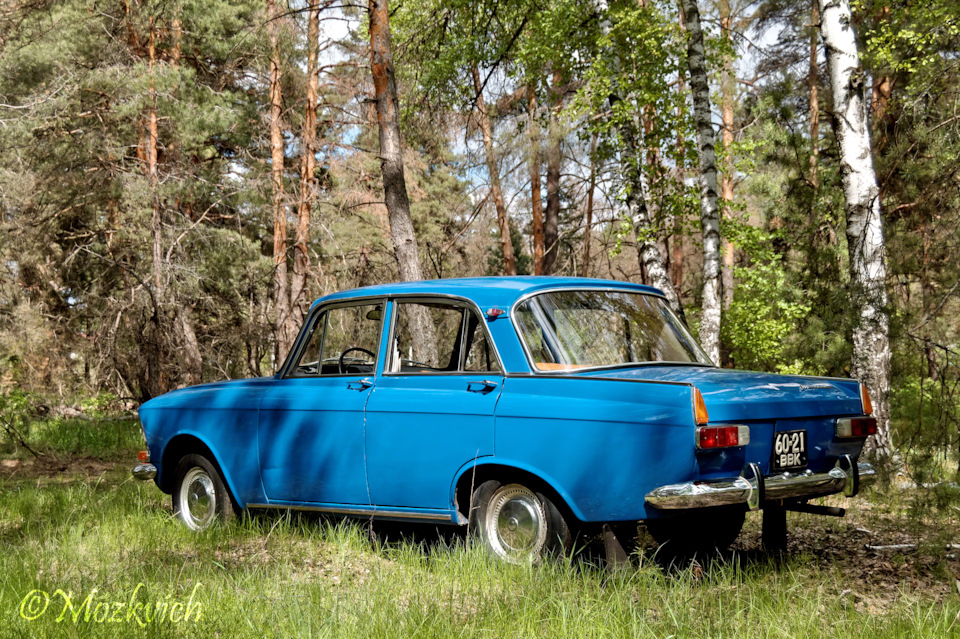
(281, 576)
(60, 437)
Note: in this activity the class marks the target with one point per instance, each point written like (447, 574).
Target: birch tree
(865, 240)
(709, 212)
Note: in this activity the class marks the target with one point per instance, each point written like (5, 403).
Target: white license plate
(789, 450)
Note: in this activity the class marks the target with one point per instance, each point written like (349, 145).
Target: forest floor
(74, 521)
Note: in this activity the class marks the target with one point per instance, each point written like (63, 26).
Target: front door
(311, 420)
(433, 407)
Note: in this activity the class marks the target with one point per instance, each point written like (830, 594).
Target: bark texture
(299, 300)
(536, 204)
(281, 300)
(486, 129)
(551, 220)
(709, 213)
(813, 84)
(588, 216)
(728, 86)
(865, 240)
(391, 159)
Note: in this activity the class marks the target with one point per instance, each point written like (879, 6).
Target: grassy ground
(84, 527)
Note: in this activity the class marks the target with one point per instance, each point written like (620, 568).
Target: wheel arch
(474, 473)
(184, 444)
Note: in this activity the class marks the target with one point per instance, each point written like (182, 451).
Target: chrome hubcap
(198, 499)
(516, 524)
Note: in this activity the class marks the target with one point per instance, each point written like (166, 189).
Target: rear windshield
(566, 330)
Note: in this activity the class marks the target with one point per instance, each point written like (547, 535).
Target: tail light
(699, 408)
(865, 402)
(144, 456)
(856, 427)
(723, 436)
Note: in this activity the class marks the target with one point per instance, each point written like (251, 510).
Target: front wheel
(200, 497)
(517, 524)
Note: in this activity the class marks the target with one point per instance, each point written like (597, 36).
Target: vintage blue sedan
(528, 407)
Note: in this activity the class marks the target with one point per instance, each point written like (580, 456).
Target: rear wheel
(700, 531)
(200, 496)
(516, 524)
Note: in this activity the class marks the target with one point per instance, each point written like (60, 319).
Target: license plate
(789, 450)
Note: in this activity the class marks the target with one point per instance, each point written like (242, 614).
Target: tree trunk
(727, 90)
(813, 82)
(509, 262)
(865, 241)
(299, 301)
(391, 158)
(281, 299)
(676, 261)
(588, 218)
(551, 219)
(536, 205)
(709, 215)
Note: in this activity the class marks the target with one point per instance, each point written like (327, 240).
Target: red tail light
(144, 456)
(723, 436)
(856, 427)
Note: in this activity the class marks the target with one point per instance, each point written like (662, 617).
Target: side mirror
(375, 314)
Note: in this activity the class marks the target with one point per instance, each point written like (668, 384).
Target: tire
(698, 532)
(518, 525)
(200, 497)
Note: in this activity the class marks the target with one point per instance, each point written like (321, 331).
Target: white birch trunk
(709, 212)
(865, 242)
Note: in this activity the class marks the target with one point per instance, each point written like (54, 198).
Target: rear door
(433, 407)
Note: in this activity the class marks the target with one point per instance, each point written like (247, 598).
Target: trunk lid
(734, 395)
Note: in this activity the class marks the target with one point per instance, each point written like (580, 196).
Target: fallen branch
(15, 434)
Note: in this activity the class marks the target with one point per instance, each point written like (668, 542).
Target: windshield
(577, 329)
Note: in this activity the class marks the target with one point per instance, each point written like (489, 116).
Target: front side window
(439, 338)
(579, 329)
(342, 341)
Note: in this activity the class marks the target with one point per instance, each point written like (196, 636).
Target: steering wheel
(350, 350)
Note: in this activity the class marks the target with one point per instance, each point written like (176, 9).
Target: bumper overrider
(753, 489)
(144, 471)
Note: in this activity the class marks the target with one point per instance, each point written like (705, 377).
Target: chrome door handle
(481, 387)
(359, 384)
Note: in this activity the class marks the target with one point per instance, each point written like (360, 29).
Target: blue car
(529, 408)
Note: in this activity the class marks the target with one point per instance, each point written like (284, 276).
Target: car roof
(500, 291)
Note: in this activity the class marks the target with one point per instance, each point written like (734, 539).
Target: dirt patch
(48, 467)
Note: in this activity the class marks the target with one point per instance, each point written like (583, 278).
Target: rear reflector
(865, 402)
(699, 408)
(723, 436)
(856, 427)
(144, 456)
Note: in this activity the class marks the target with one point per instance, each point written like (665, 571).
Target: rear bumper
(752, 488)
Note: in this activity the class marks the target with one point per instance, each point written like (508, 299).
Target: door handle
(359, 384)
(484, 386)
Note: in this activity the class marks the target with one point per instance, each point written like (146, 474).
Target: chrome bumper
(144, 472)
(752, 488)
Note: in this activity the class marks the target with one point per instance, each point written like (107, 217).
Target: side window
(480, 355)
(342, 341)
(439, 338)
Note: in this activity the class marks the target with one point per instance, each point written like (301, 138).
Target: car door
(311, 420)
(433, 407)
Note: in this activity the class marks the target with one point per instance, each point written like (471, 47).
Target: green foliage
(766, 310)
